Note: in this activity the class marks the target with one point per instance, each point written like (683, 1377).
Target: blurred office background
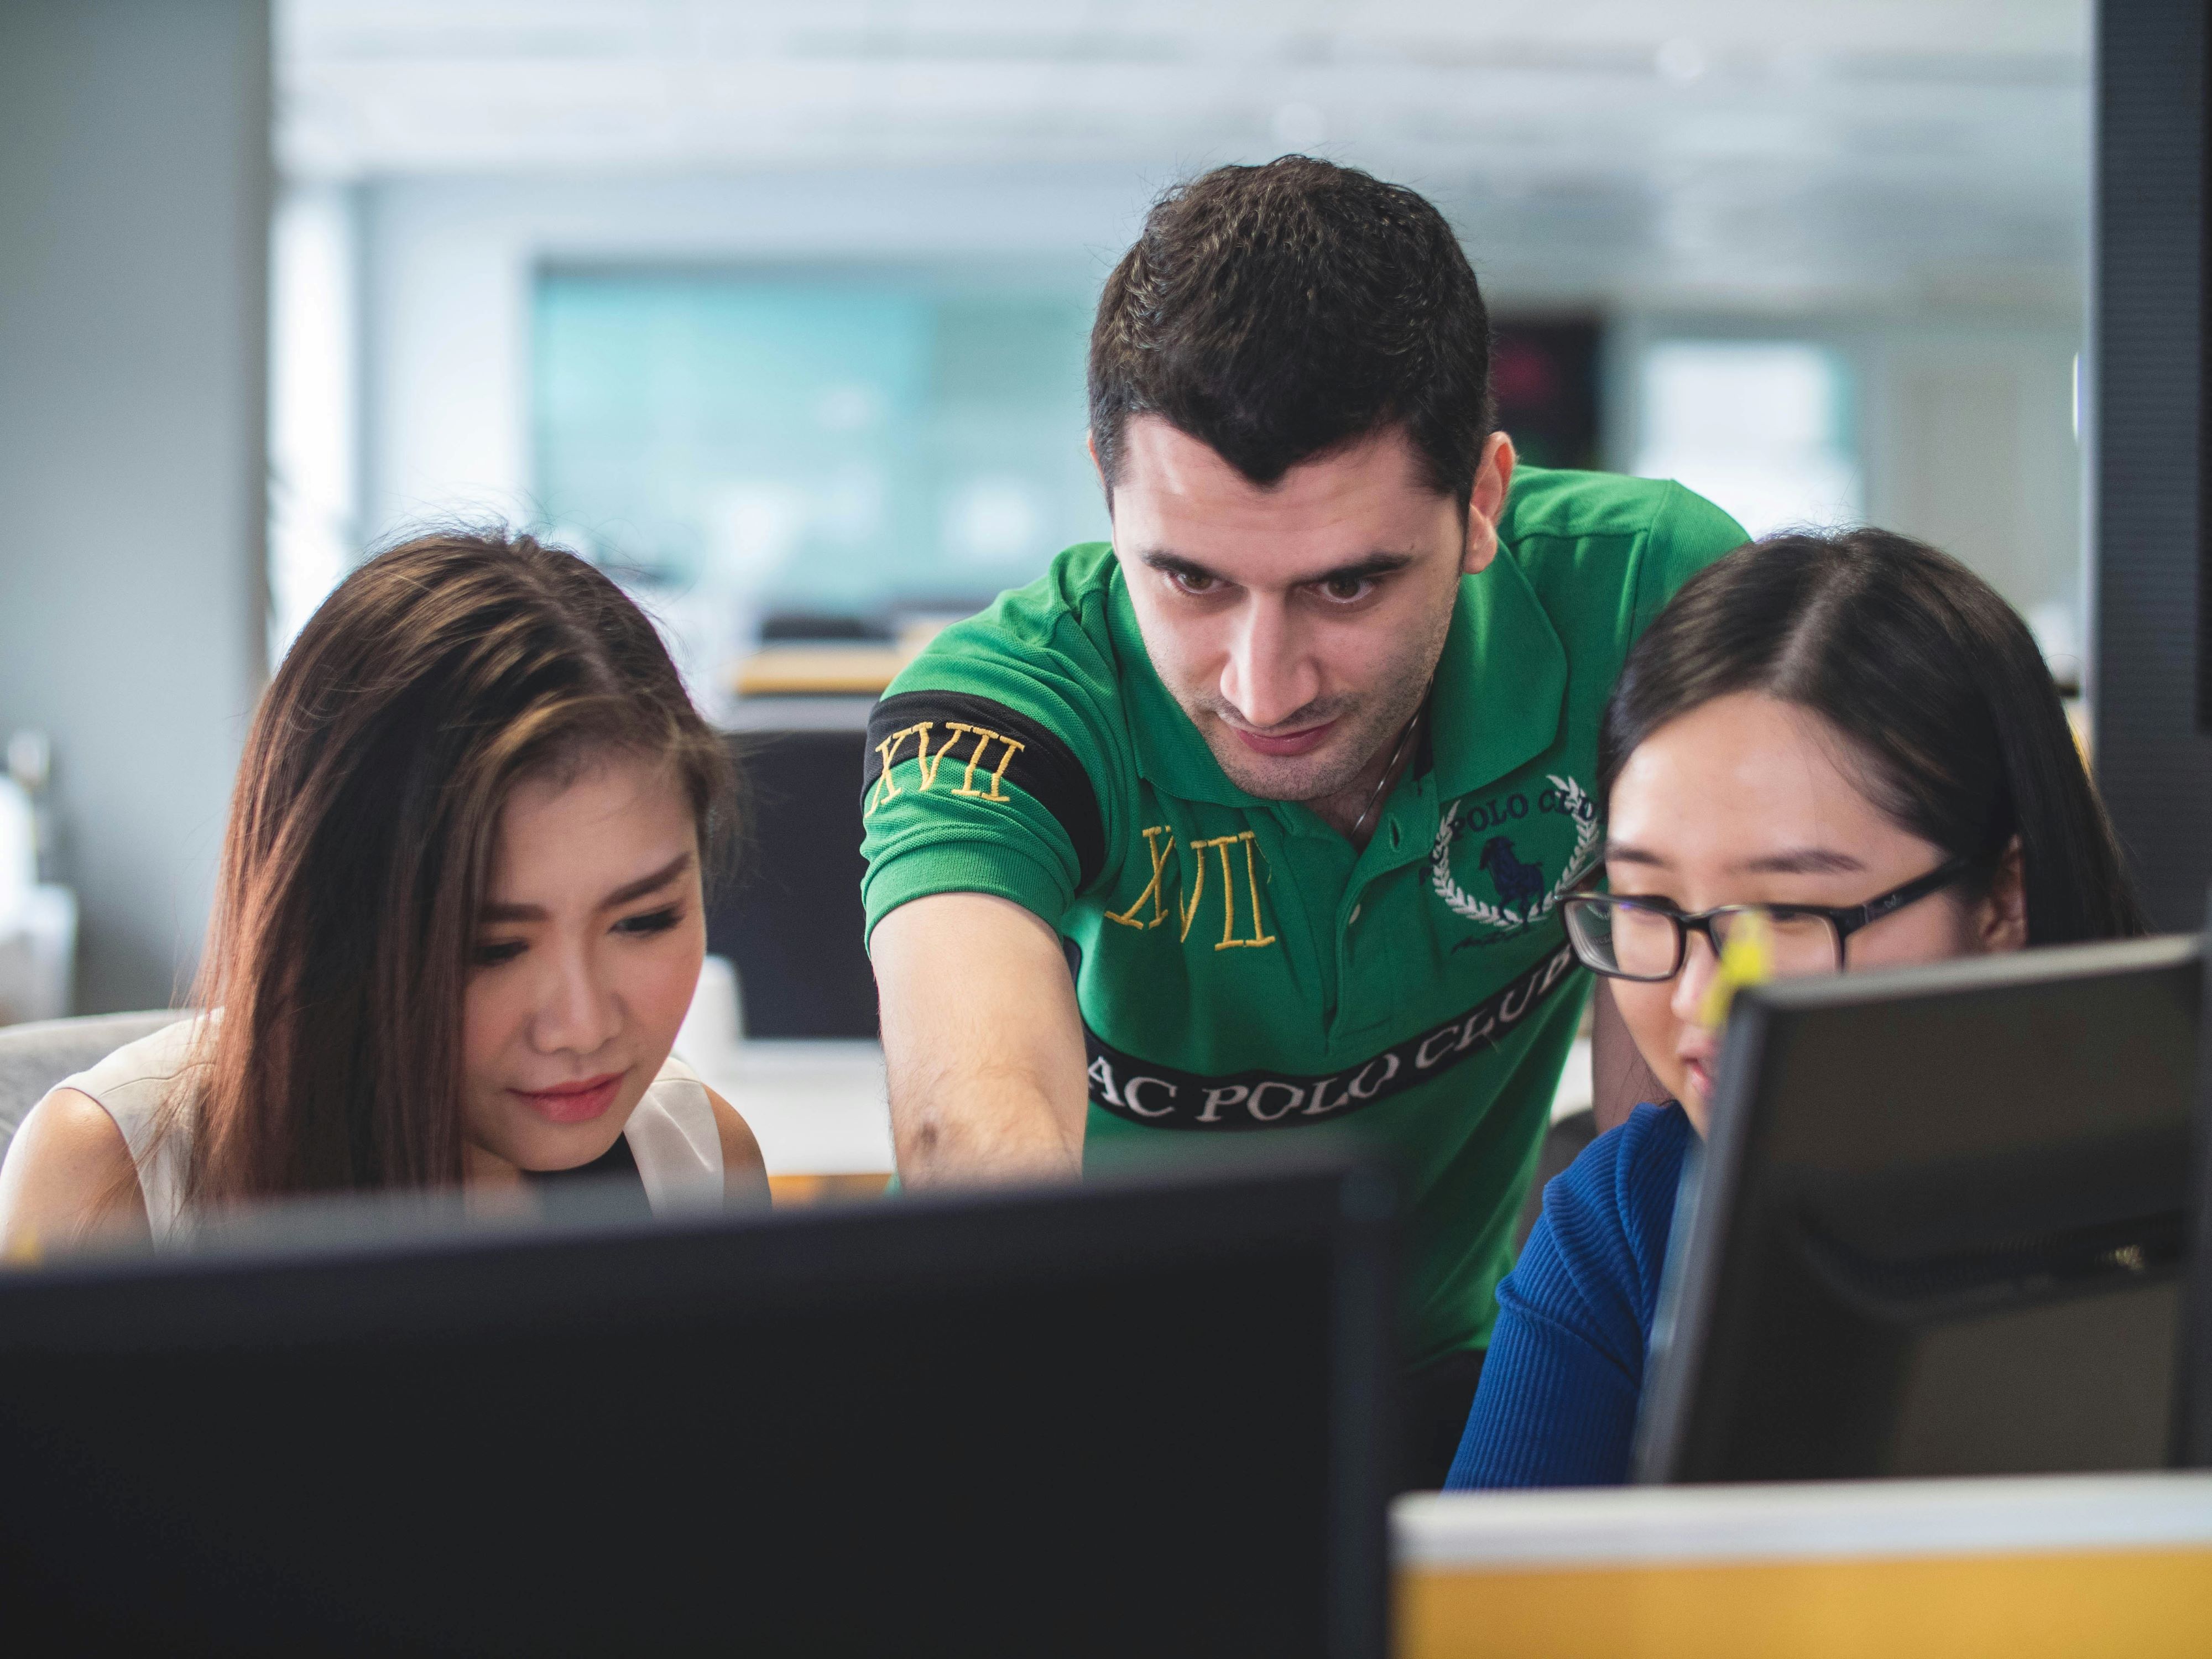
(779, 310)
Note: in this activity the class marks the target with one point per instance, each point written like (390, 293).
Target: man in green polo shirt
(1300, 764)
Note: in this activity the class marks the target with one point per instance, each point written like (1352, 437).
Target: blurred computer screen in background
(765, 440)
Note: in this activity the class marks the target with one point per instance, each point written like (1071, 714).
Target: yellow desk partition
(2075, 1564)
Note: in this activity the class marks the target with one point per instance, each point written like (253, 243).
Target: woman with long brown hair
(457, 926)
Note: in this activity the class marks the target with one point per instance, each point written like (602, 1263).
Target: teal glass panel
(843, 440)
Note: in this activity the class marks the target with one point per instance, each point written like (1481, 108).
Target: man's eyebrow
(1361, 569)
(1802, 861)
(1621, 852)
(1375, 564)
(622, 894)
(1174, 564)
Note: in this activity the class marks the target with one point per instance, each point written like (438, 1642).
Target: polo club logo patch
(1517, 878)
(1164, 1097)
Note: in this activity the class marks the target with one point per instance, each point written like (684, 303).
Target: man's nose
(1268, 677)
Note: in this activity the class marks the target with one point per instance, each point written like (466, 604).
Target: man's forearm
(983, 1043)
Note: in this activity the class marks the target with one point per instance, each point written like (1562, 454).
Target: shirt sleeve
(923, 847)
(1687, 533)
(1557, 1400)
(1556, 1403)
(986, 772)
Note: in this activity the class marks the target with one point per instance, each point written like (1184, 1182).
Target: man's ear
(2002, 923)
(1494, 480)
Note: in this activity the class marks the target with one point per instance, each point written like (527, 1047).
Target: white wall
(1969, 437)
(1964, 430)
(133, 257)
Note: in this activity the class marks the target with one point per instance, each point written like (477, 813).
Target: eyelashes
(654, 921)
(492, 953)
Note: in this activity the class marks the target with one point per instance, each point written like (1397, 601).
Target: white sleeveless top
(672, 1133)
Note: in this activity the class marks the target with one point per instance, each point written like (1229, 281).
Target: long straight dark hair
(1951, 714)
(435, 677)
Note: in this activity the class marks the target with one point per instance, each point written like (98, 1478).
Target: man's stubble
(1373, 721)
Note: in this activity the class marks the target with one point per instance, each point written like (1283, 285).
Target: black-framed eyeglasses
(1649, 940)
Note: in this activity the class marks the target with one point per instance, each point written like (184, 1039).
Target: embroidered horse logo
(1523, 898)
(1518, 884)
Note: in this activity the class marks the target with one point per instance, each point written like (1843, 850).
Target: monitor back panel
(1108, 1423)
(1939, 1229)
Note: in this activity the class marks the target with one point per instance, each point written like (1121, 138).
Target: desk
(818, 670)
(2019, 1568)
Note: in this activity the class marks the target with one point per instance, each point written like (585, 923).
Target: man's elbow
(920, 1148)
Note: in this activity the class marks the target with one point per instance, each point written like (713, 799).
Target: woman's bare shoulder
(744, 1172)
(67, 1174)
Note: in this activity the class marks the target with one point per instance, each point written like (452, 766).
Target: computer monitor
(2193, 1427)
(1147, 1416)
(1938, 1228)
(791, 921)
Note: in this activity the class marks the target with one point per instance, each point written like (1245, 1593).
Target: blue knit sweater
(1556, 1403)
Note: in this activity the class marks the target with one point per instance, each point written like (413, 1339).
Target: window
(1761, 428)
(314, 385)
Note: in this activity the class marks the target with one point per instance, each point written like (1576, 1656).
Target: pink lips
(1699, 1070)
(1291, 743)
(572, 1103)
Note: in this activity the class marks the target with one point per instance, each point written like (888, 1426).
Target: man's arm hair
(1620, 1080)
(983, 1041)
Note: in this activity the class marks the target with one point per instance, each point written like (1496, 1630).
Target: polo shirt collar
(1500, 694)
(1501, 689)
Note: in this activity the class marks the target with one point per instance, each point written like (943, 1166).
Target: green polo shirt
(1245, 970)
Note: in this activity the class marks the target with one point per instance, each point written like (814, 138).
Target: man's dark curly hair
(1277, 313)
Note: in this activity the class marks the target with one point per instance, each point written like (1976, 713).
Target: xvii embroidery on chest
(1523, 898)
(929, 761)
(1160, 845)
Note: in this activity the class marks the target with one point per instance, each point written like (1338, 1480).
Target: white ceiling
(1758, 151)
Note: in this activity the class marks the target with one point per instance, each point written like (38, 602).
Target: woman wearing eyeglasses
(1854, 739)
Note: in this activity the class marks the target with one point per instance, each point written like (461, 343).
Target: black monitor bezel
(368, 1270)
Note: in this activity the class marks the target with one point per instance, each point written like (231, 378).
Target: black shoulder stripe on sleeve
(960, 744)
